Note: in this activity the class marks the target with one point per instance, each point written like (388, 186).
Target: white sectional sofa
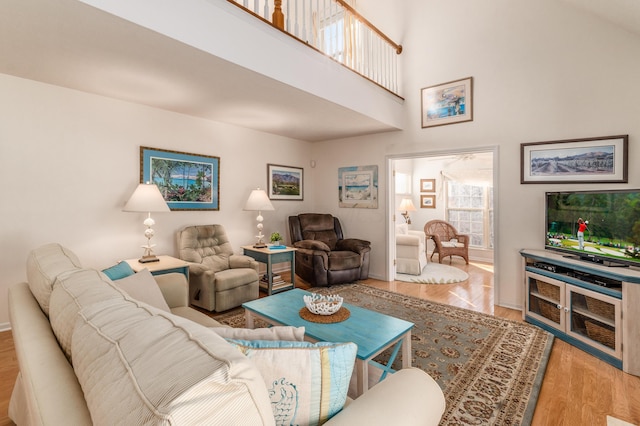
(89, 353)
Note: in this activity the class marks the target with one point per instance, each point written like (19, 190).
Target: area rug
(435, 273)
(490, 369)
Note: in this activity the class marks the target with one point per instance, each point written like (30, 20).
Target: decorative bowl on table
(323, 305)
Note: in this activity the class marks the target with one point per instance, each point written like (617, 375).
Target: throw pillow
(143, 287)
(402, 229)
(294, 334)
(119, 271)
(307, 382)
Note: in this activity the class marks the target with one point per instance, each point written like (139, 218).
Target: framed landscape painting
(447, 103)
(285, 183)
(427, 201)
(186, 181)
(592, 160)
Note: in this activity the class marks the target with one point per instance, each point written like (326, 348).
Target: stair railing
(334, 28)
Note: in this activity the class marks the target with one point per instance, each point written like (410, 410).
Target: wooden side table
(165, 265)
(269, 257)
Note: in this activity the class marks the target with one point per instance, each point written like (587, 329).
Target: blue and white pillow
(307, 382)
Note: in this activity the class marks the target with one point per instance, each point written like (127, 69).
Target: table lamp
(407, 206)
(147, 198)
(259, 201)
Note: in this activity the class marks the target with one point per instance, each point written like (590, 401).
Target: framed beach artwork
(447, 103)
(591, 160)
(427, 201)
(186, 181)
(358, 187)
(427, 185)
(285, 182)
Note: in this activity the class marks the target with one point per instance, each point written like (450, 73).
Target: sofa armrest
(353, 244)
(243, 261)
(174, 288)
(408, 397)
(407, 240)
(312, 245)
(47, 392)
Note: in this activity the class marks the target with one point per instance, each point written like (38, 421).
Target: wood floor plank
(578, 389)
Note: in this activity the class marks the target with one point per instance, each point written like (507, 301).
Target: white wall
(542, 71)
(70, 160)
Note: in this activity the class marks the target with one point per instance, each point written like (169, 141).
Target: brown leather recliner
(324, 257)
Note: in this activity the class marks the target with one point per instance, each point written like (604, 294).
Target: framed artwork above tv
(591, 160)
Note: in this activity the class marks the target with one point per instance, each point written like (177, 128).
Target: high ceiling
(70, 44)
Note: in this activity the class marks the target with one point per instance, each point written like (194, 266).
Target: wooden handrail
(372, 58)
(397, 47)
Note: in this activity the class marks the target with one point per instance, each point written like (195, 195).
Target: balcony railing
(337, 30)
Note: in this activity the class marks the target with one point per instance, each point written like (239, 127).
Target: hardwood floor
(578, 389)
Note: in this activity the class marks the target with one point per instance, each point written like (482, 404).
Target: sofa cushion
(307, 382)
(143, 287)
(44, 265)
(119, 271)
(71, 293)
(290, 333)
(139, 365)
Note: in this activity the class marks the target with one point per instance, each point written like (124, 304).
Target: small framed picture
(447, 103)
(427, 185)
(285, 182)
(427, 201)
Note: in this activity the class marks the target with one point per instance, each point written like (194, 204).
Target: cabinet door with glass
(595, 319)
(545, 299)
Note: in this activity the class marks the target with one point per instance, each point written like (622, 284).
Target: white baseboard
(5, 326)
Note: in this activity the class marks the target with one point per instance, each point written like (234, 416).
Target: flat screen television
(611, 229)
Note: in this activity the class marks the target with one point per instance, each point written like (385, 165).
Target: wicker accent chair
(447, 240)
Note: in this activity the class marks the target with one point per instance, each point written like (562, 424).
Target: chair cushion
(206, 244)
(307, 382)
(319, 227)
(341, 260)
(233, 278)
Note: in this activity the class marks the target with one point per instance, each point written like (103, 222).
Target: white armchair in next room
(411, 255)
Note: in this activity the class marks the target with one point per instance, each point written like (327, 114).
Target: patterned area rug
(490, 369)
(435, 273)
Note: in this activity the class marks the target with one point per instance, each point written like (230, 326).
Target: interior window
(469, 210)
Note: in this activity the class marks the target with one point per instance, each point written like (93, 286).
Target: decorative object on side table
(276, 238)
(257, 202)
(147, 198)
(407, 206)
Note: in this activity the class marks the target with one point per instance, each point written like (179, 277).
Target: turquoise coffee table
(371, 331)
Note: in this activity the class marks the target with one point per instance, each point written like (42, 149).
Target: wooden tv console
(591, 306)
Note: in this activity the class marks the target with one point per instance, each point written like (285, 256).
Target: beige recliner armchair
(218, 279)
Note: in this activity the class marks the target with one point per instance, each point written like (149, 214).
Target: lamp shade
(407, 205)
(146, 198)
(258, 201)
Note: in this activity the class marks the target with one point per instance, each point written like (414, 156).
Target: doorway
(456, 186)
